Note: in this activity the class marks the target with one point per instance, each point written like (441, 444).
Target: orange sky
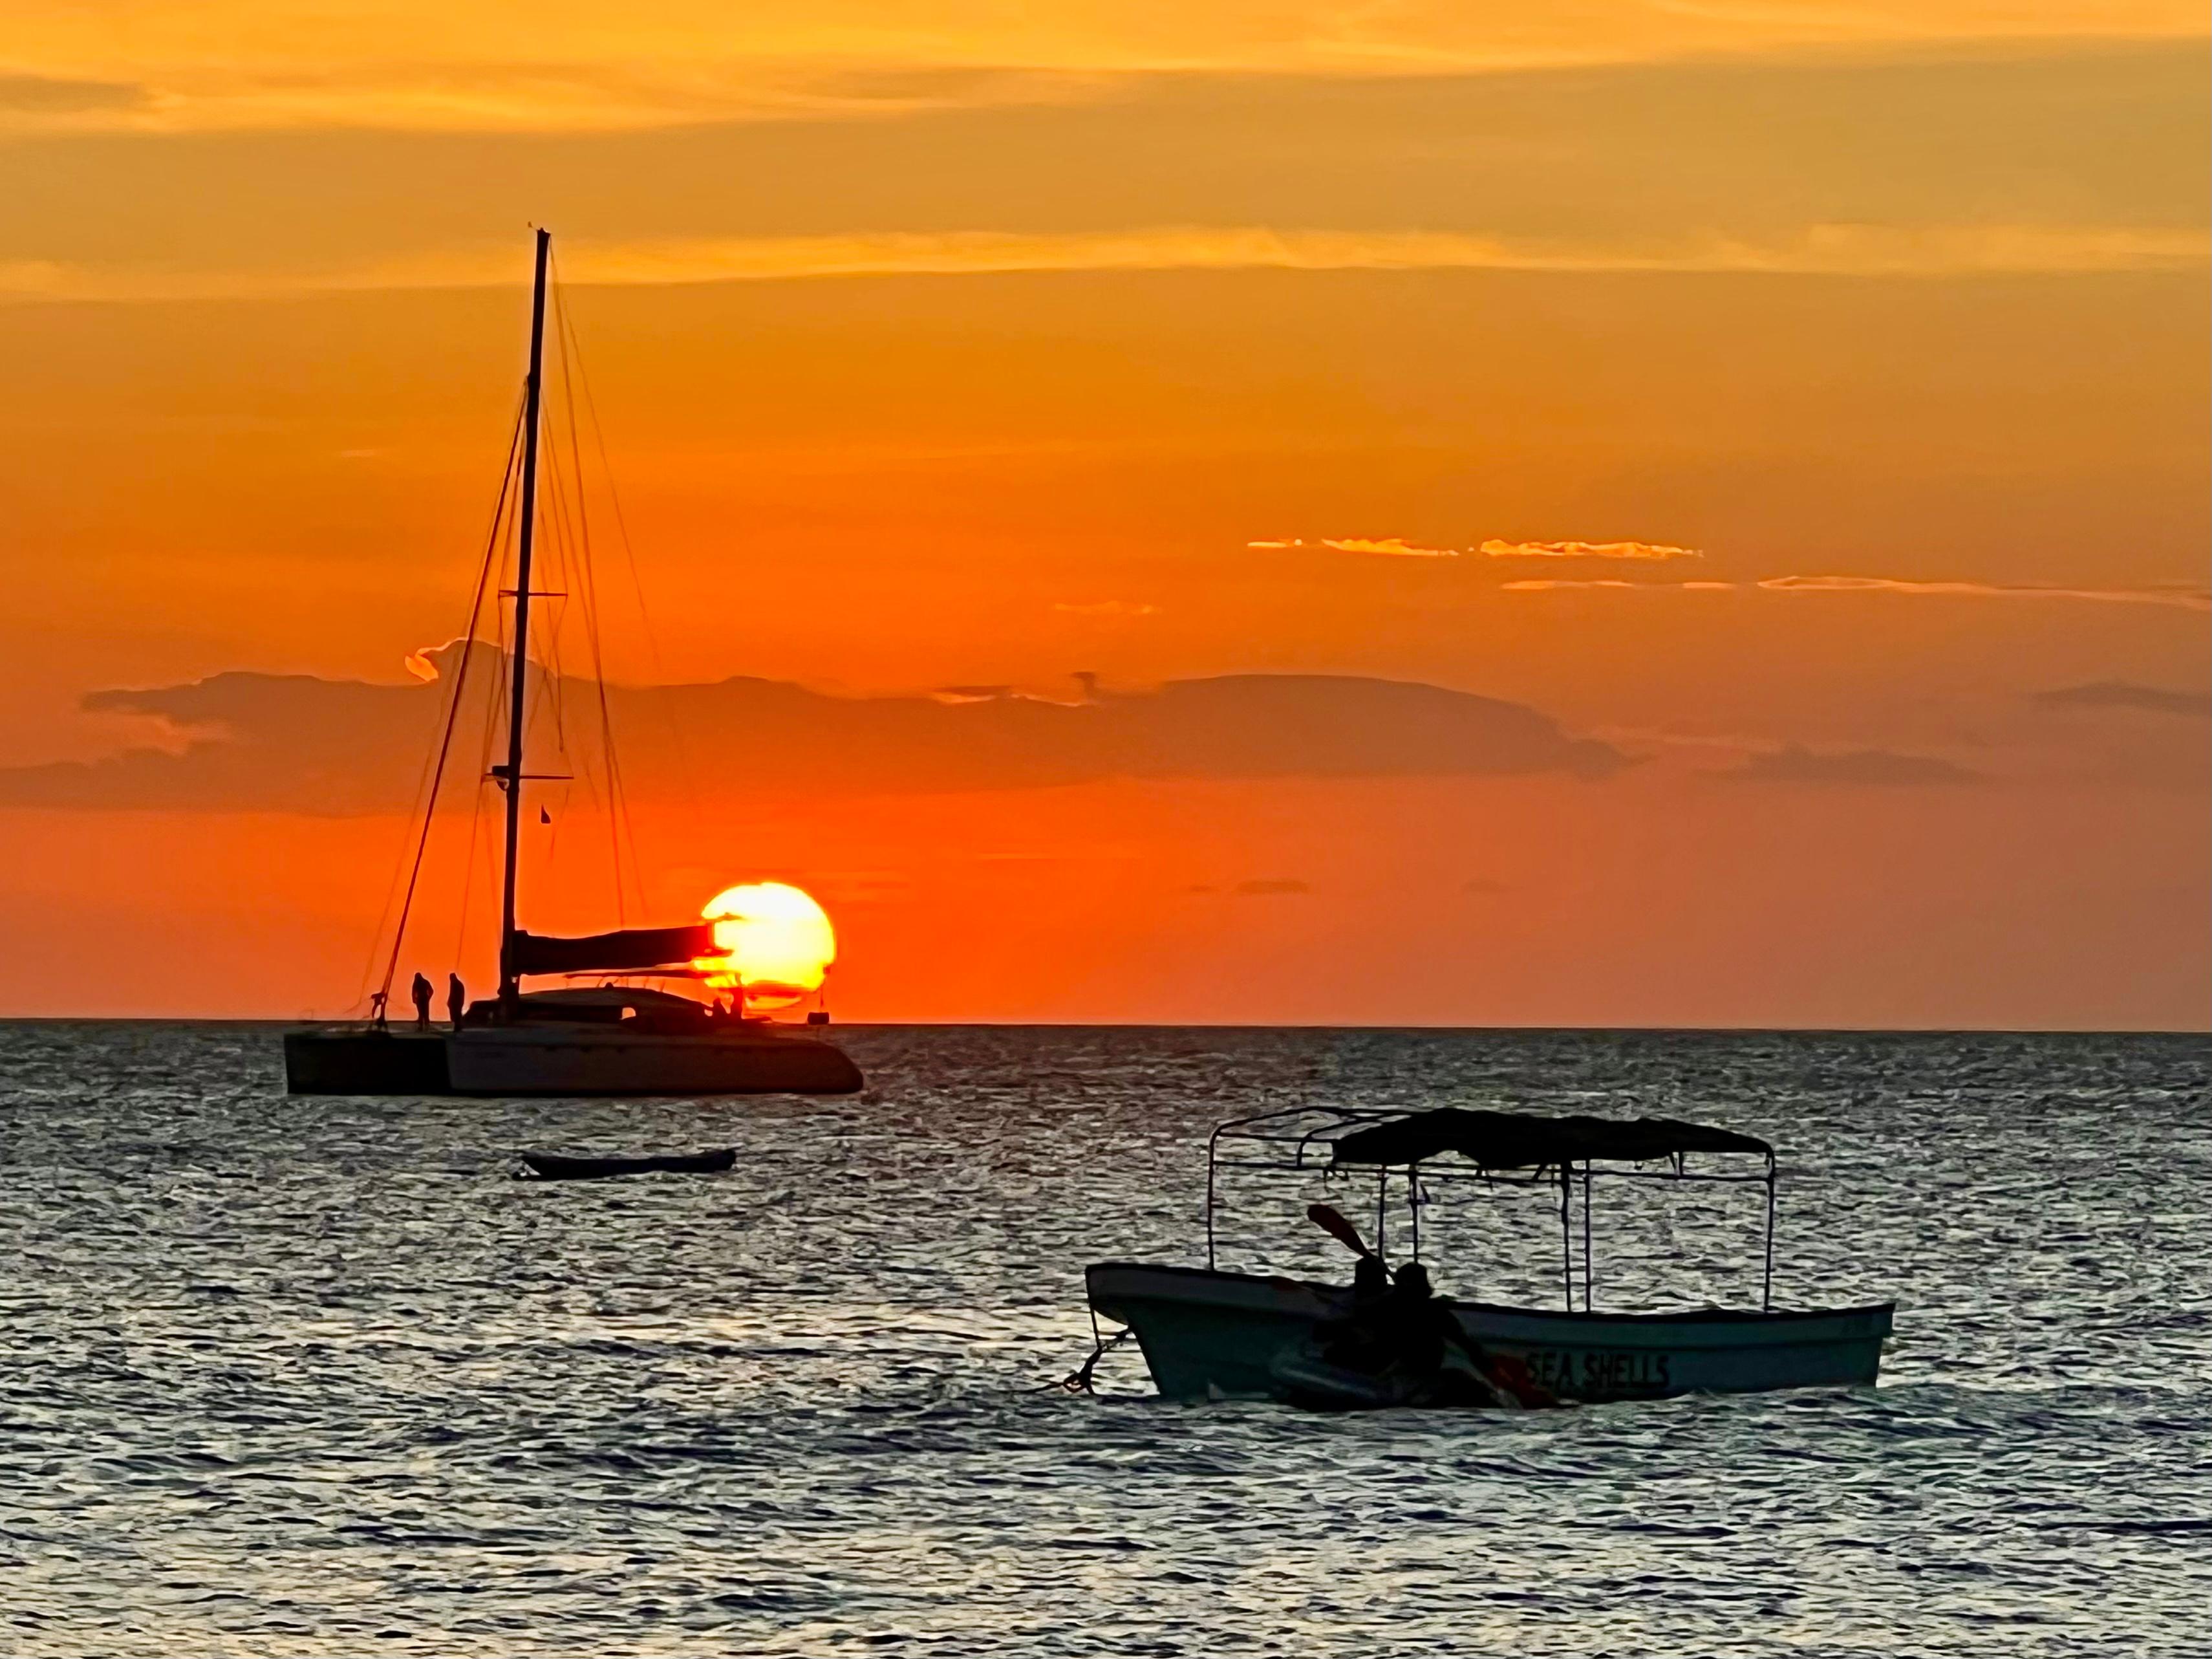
(981, 350)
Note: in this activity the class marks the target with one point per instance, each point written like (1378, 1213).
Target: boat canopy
(1524, 1140)
(631, 950)
(1487, 1148)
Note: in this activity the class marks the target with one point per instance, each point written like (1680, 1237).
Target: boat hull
(1214, 1335)
(365, 1061)
(554, 1166)
(525, 1060)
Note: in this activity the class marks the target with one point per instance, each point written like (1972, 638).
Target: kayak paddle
(1331, 1221)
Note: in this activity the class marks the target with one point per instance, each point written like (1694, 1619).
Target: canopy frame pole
(1212, 1143)
(1381, 1207)
(1589, 1279)
(1414, 1204)
(1766, 1289)
(1566, 1235)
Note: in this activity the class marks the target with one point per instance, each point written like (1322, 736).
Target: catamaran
(611, 1037)
(1206, 1334)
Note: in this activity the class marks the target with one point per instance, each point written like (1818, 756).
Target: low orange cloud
(296, 743)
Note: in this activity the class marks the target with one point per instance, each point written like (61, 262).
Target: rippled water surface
(314, 1377)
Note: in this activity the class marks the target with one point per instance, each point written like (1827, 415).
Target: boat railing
(1311, 1133)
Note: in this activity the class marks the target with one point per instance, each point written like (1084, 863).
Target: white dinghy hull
(1214, 1335)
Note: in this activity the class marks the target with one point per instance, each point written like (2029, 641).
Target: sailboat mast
(511, 774)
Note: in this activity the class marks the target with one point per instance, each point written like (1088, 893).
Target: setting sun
(776, 941)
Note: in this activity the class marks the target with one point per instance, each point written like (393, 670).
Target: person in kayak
(1406, 1339)
(1355, 1337)
(1417, 1324)
(1410, 1339)
(1370, 1281)
(1454, 1369)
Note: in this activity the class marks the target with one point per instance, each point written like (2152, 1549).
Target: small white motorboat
(1206, 1334)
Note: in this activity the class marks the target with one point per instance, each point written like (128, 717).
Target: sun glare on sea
(774, 938)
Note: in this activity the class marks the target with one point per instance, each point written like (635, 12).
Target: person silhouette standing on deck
(457, 999)
(422, 991)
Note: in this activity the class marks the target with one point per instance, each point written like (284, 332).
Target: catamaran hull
(534, 1062)
(1212, 1335)
(365, 1062)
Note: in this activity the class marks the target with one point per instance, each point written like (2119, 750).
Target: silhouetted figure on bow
(457, 999)
(422, 991)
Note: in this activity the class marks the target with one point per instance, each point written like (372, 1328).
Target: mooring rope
(1080, 1379)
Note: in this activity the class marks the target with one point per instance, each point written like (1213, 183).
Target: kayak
(553, 1166)
(1307, 1374)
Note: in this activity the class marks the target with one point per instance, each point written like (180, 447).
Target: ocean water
(309, 1376)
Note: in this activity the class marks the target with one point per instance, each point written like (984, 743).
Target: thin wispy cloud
(1654, 550)
(2123, 694)
(1391, 547)
(608, 92)
(1540, 584)
(2187, 599)
(2176, 598)
(1384, 546)
(416, 64)
(1820, 250)
(1399, 547)
(66, 95)
(1793, 764)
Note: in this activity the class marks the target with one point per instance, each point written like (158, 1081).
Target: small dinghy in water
(552, 1166)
